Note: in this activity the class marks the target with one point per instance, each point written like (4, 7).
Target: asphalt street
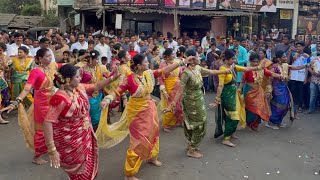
(286, 154)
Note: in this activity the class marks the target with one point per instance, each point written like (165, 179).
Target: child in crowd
(65, 57)
(205, 78)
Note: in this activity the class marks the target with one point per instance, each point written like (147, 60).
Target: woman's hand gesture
(54, 159)
(104, 103)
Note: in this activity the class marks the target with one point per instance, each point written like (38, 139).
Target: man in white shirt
(45, 43)
(13, 48)
(35, 47)
(81, 44)
(172, 43)
(103, 49)
(298, 77)
(205, 44)
(269, 7)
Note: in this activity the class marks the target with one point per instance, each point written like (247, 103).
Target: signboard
(308, 25)
(285, 14)
(118, 21)
(77, 19)
(285, 4)
(249, 5)
(211, 4)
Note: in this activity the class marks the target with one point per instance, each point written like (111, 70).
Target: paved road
(286, 154)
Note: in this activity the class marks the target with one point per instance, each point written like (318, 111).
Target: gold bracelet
(50, 145)
(218, 98)
(18, 99)
(52, 151)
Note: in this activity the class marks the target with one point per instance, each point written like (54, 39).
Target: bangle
(52, 150)
(19, 100)
(51, 145)
(218, 99)
(109, 97)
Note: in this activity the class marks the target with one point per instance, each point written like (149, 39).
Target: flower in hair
(93, 54)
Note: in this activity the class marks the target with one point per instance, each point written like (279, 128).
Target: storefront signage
(308, 27)
(285, 4)
(208, 4)
(250, 5)
(285, 14)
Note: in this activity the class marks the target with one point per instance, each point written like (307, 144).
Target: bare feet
(155, 162)
(4, 115)
(189, 146)
(3, 121)
(234, 137)
(228, 143)
(131, 178)
(166, 130)
(39, 161)
(194, 154)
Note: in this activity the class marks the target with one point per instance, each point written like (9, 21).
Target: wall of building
(163, 23)
(218, 26)
(167, 24)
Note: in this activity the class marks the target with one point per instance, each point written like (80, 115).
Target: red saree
(42, 84)
(73, 134)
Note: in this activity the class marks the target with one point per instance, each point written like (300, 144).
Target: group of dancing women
(67, 114)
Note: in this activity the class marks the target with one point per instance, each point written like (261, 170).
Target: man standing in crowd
(223, 45)
(241, 54)
(13, 48)
(298, 77)
(103, 49)
(284, 46)
(81, 44)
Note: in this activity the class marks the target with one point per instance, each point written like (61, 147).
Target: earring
(68, 81)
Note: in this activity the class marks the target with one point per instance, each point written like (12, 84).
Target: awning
(25, 22)
(180, 11)
(5, 19)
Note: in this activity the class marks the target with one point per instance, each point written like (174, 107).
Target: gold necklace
(258, 76)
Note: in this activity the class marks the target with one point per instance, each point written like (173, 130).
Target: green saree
(194, 110)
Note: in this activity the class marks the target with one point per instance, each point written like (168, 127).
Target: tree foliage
(15, 6)
(51, 19)
(31, 10)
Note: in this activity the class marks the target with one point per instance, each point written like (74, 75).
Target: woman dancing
(142, 116)
(20, 70)
(194, 109)
(230, 107)
(256, 103)
(169, 86)
(69, 134)
(281, 100)
(90, 73)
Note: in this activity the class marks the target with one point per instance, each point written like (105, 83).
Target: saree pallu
(95, 110)
(31, 122)
(18, 81)
(195, 116)
(230, 111)
(143, 123)
(171, 119)
(256, 105)
(281, 102)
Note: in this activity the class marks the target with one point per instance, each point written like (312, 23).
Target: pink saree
(42, 84)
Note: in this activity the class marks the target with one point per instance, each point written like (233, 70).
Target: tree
(31, 10)
(15, 6)
(51, 19)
